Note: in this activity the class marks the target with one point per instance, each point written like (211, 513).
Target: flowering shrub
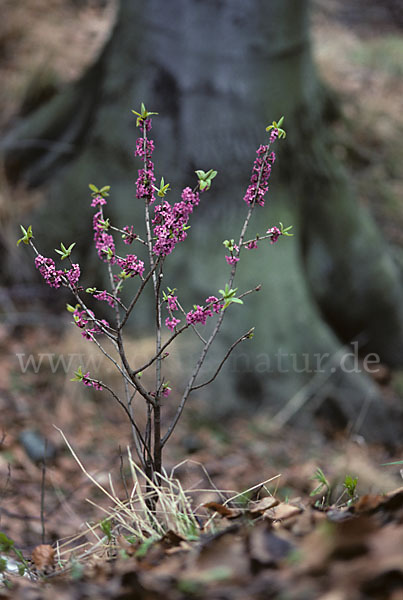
(166, 225)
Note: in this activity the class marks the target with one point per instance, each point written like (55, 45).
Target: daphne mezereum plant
(166, 225)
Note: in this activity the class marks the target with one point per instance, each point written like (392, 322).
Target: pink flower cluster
(170, 221)
(231, 260)
(103, 241)
(86, 381)
(144, 147)
(251, 245)
(48, 271)
(200, 313)
(73, 275)
(129, 235)
(131, 265)
(146, 178)
(98, 200)
(83, 318)
(216, 304)
(105, 297)
(105, 246)
(261, 165)
(56, 277)
(173, 302)
(172, 322)
(273, 135)
(275, 234)
(144, 123)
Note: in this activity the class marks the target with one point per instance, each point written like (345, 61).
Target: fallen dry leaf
(282, 511)
(263, 504)
(43, 556)
(223, 511)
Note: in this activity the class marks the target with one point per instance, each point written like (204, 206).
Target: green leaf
(106, 527)
(72, 309)
(316, 490)
(27, 235)
(78, 375)
(229, 244)
(65, 252)
(93, 188)
(5, 543)
(91, 290)
(143, 114)
(104, 224)
(350, 485)
(145, 546)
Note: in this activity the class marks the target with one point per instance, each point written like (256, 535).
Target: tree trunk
(218, 72)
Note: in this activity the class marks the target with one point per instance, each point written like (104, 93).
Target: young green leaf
(78, 375)
(27, 235)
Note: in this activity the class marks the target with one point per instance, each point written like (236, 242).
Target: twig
(43, 490)
(246, 336)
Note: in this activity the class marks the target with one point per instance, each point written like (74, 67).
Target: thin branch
(125, 383)
(132, 421)
(137, 296)
(133, 375)
(244, 337)
(108, 356)
(43, 491)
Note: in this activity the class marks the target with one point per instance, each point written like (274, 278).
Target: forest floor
(265, 534)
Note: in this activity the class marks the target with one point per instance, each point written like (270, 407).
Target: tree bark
(218, 72)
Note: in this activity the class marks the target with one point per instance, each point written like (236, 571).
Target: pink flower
(261, 166)
(216, 303)
(173, 303)
(47, 269)
(275, 234)
(73, 275)
(171, 323)
(85, 379)
(198, 315)
(91, 383)
(104, 296)
(131, 265)
(103, 241)
(83, 318)
(170, 222)
(146, 178)
(273, 135)
(231, 260)
(251, 245)
(144, 124)
(98, 200)
(144, 147)
(129, 236)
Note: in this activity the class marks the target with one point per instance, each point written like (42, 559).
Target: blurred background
(326, 360)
